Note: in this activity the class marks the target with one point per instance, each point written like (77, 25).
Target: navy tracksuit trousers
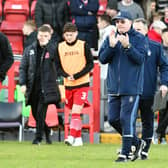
(122, 116)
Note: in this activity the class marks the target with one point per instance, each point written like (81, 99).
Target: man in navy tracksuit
(156, 60)
(125, 54)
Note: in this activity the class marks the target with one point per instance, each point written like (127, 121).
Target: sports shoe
(121, 158)
(107, 127)
(118, 151)
(69, 141)
(78, 142)
(144, 155)
(129, 157)
(138, 150)
(155, 139)
(36, 141)
(163, 141)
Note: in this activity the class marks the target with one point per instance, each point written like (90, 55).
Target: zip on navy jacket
(125, 66)
(156, 60)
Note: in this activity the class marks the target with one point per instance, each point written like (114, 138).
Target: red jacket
(153, 35)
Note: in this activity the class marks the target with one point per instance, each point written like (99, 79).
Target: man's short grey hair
(143, 21)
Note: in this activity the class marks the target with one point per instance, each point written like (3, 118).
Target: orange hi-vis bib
(72, 58)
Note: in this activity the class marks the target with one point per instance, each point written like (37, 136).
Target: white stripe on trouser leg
(133, 114)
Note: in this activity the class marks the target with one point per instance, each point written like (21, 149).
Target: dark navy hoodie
(157, 63)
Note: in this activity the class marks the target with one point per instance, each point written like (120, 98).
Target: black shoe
(144, 155)
(129, 157)
(138, 150)
(48, 141)
(36, 141)
(121, 158)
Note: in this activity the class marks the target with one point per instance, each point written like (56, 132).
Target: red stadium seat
(12, 27)
(0, 9)
(51, 117)
(102, 7)
(16, 10)
(15, 35)
(17, 47)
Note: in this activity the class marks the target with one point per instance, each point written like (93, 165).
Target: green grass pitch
(25, 155)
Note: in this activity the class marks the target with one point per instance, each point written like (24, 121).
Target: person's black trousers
(39, 110)
(163, 122)
(147, 117)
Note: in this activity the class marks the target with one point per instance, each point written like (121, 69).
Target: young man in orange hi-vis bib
(75, 62)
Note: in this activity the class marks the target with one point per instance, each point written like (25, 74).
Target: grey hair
(143, 21)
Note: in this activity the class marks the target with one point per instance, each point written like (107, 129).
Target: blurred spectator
(165, 40)
(134, 9)
(160, 135)
(153, 6)
(165, 17)
(51, 12)
(154, 16)
(161, 4)
(151, 9)
(29, 31)
(143, 4)
(156, 30)
(83, 14)
(105, 28)
(112, 8)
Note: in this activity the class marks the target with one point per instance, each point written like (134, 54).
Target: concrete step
(113, 138)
